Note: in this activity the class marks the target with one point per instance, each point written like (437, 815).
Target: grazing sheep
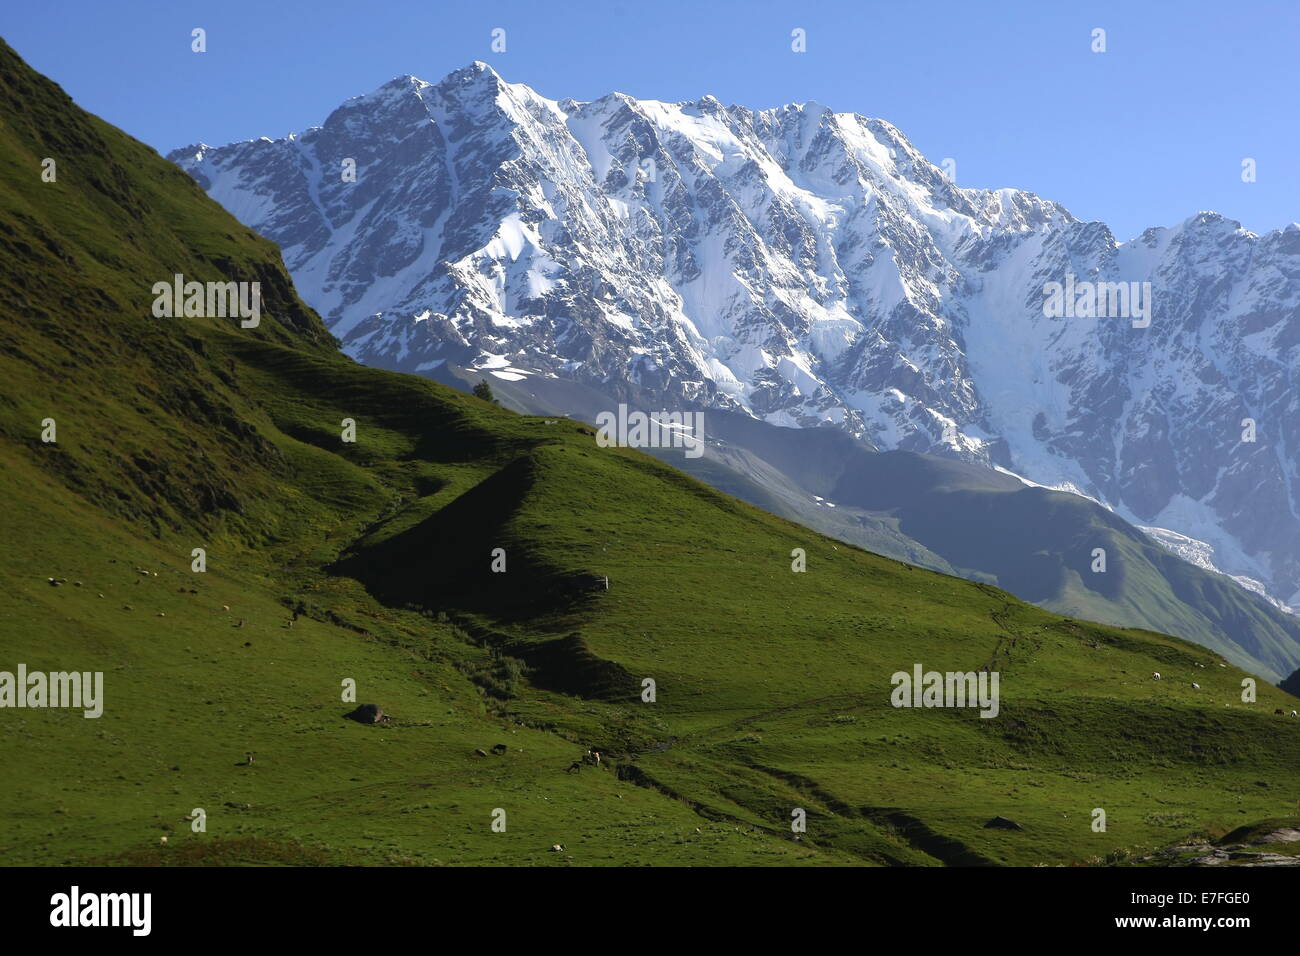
(1155, 676)
(1279, 711)
(1293, 713)
(1196, 685)
(225, 607)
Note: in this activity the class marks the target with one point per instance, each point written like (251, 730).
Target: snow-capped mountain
(808, 268)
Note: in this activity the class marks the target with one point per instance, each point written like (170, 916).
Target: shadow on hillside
(445, 562)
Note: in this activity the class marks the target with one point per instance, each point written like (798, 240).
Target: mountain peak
(395, 91)
(193, 152)
(403, 81)
(477, 72)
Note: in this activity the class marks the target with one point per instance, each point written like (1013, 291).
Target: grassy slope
(953, 517)
(965, 519)
(772, 686)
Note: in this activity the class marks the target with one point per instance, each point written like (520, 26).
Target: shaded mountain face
(804, 267)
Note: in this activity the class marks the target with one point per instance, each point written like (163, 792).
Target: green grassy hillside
(371, 561)
(955, 517)
(966, 519)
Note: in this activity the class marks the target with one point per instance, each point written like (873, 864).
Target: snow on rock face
(806, 267)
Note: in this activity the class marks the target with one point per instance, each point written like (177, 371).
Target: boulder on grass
(1002, 823)
(366, 714)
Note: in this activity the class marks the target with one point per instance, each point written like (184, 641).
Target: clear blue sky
(1147, 133)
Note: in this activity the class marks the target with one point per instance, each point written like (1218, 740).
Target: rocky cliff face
(806, 267)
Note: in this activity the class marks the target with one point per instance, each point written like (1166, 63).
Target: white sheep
(1155, 676)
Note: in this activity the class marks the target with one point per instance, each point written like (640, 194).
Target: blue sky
(1147, 133)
